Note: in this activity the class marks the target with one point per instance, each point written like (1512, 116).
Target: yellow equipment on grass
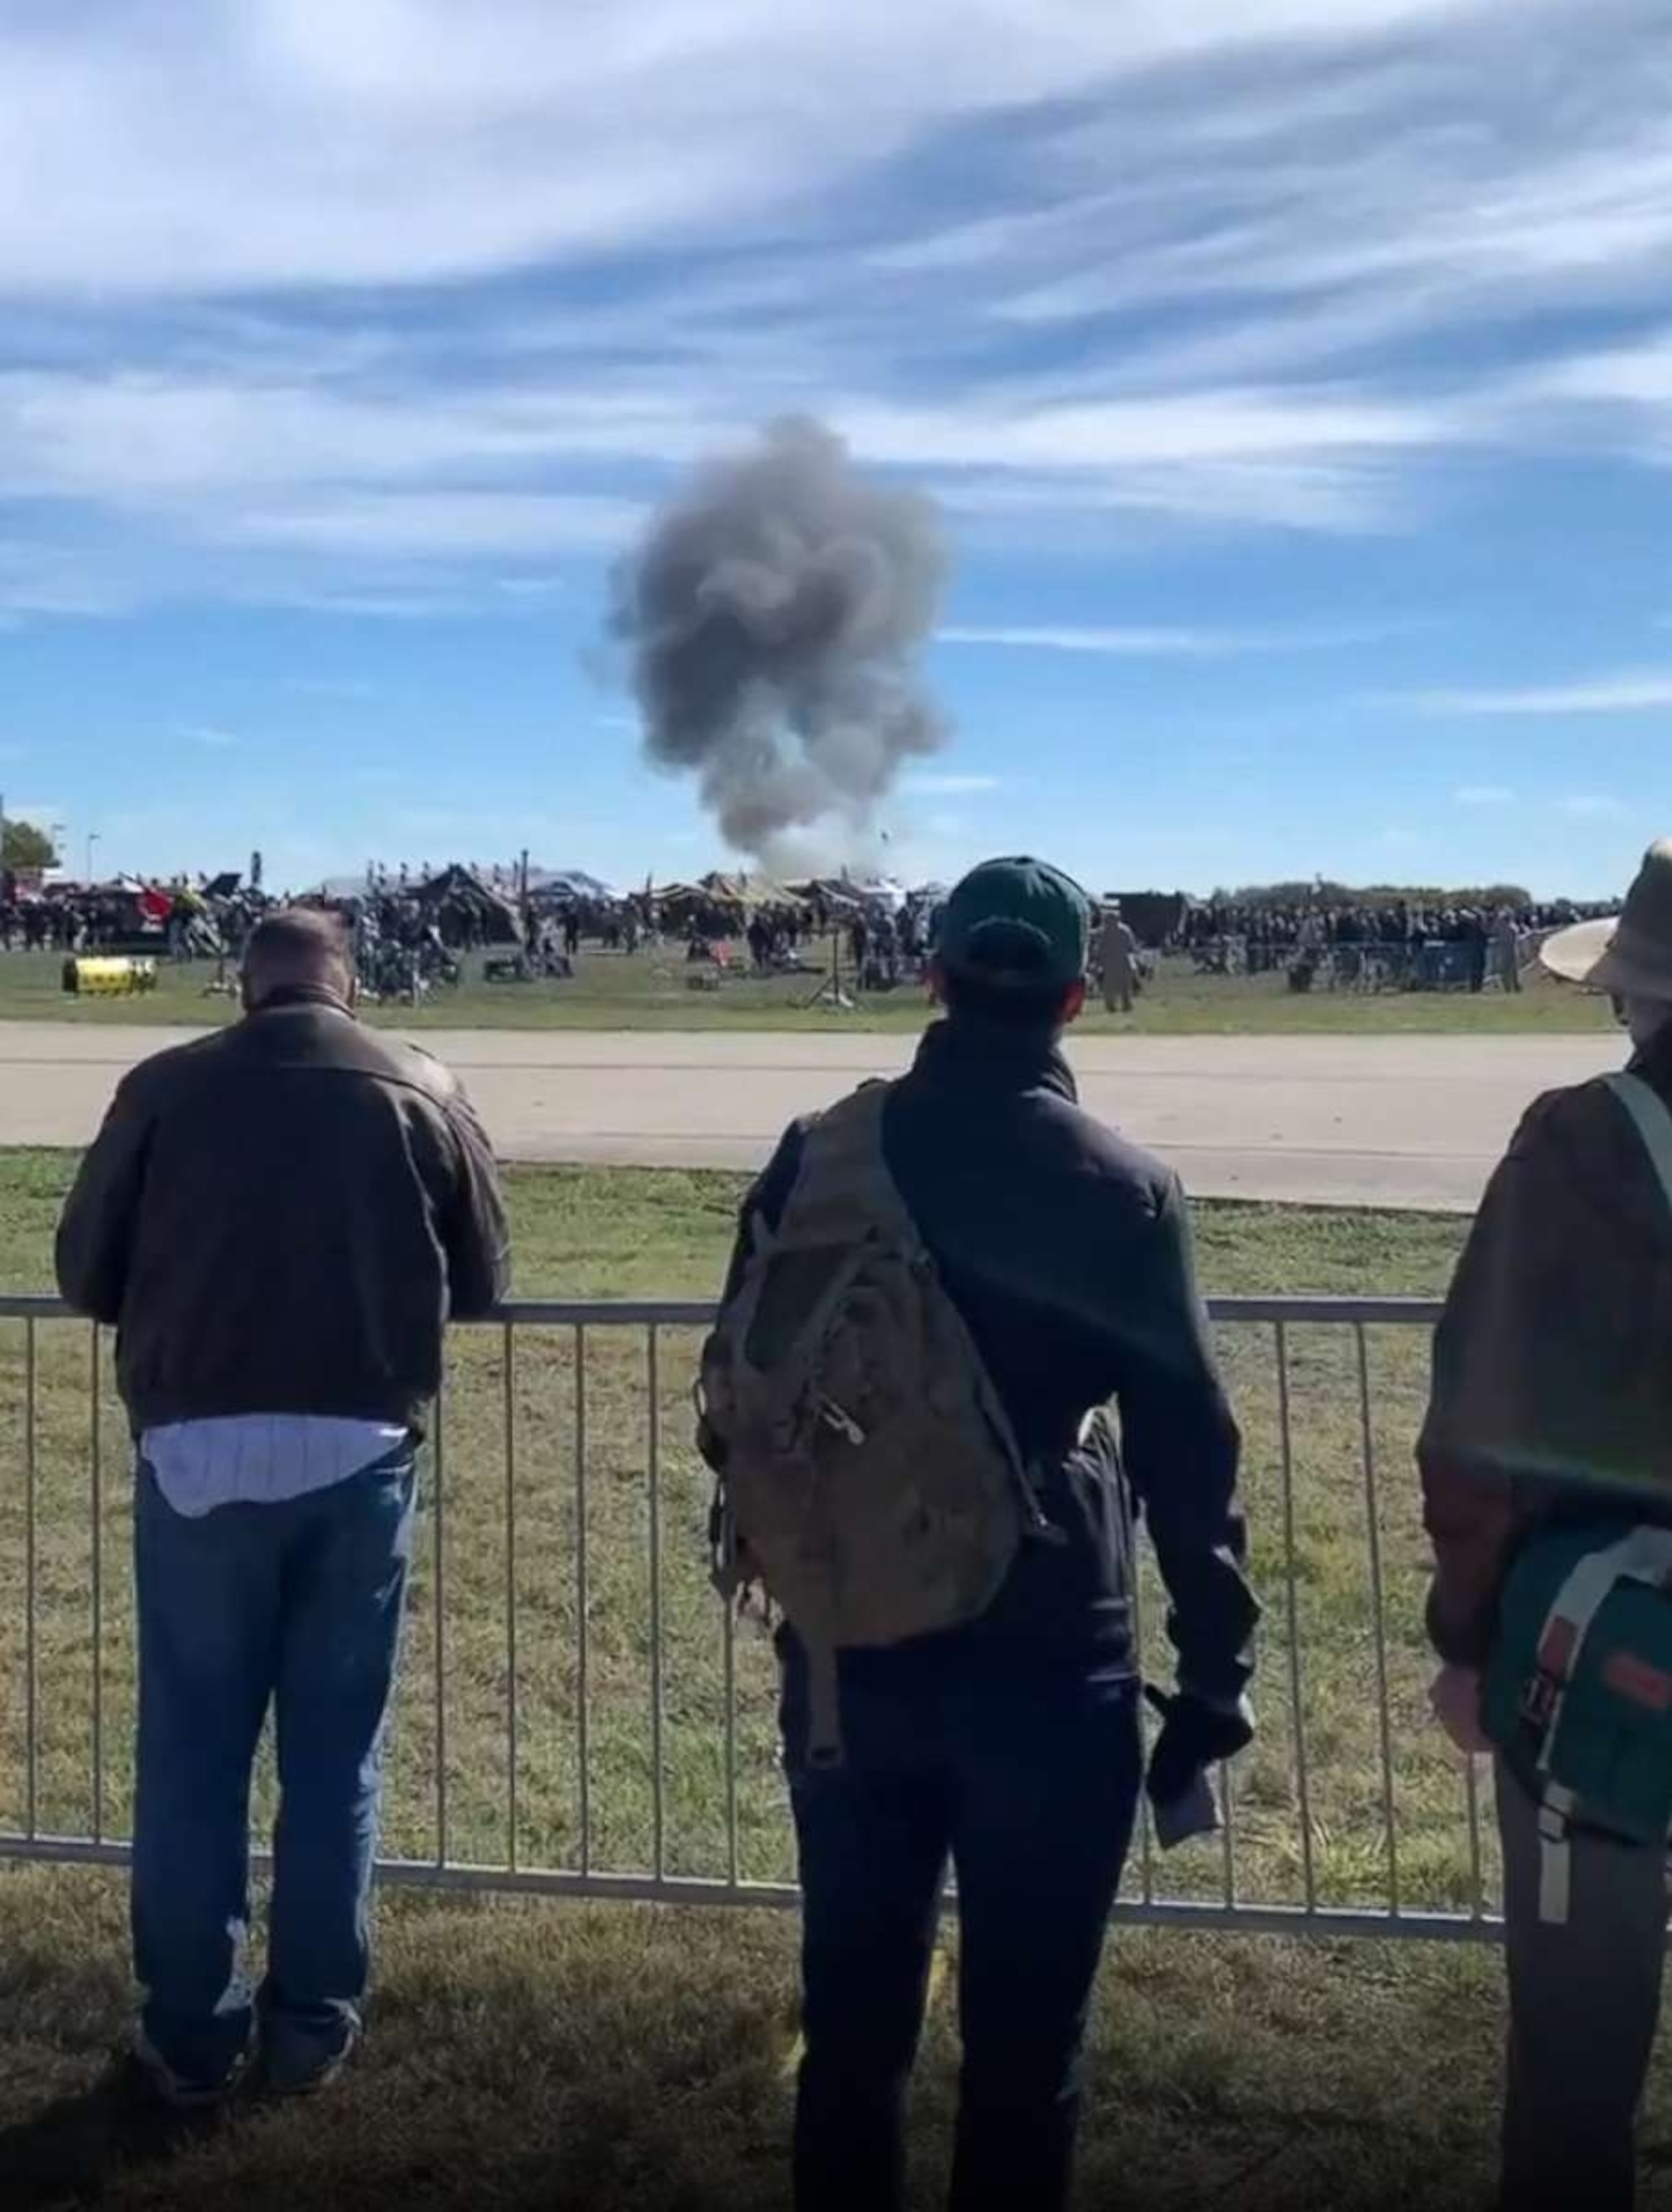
(116, 977)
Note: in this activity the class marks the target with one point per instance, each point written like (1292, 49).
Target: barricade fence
(579, 1714)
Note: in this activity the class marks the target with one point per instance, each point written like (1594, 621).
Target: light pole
(92, 840)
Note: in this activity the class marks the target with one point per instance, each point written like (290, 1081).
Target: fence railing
(579, 1714)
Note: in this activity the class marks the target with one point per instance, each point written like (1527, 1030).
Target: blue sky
(1295, 375)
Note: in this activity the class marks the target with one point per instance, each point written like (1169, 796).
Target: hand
(1194, 1735)
(1455, 1696)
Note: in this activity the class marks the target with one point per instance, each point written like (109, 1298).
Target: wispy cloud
(1483, 794)
(939, 783)
(480, 141)
(1141, 643)
(209, 735)
(1639, 691)
(1215, 268)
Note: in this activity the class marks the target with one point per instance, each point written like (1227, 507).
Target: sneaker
(302, 2070)
(180, 2092)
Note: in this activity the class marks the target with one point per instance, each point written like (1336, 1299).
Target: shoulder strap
(1653, 1120)
(844, 1152)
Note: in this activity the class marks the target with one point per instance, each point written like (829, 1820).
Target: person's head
(299, 949)
(1015, 938)
(1631, 957)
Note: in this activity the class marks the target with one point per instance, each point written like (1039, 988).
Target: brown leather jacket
(281, 1217)
(1553, 1366)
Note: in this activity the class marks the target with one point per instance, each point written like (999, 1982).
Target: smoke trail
(774, 616)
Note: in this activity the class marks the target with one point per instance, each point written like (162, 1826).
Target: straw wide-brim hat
(1631, 956)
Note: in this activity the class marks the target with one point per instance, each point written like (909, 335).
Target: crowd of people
(937, 1475)
(1393, 944)
(179, 919)
(414, 931)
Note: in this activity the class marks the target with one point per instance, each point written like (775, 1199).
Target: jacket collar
(985, 1056)
(301, 994)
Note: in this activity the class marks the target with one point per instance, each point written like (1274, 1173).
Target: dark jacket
(281, 1217)
(1552, 1392)
(1067, 1252)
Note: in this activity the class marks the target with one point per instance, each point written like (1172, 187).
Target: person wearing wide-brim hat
(1550, 1417)
(1630, 954)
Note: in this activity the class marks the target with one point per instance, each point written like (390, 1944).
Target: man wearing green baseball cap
(1024, 927)
(960, 1673)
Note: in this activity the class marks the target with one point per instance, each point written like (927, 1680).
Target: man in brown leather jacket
(1552, 1399)
(278, 1221)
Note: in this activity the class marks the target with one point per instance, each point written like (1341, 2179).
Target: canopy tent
(834, 893)
(721, 903)
(748, 891)
(851, 895)
(1155, 918)
(455, 899)
(570, 887)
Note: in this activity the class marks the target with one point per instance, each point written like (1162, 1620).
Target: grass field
(652, 992)
(554, 2053)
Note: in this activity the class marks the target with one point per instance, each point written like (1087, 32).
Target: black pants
(1032, 1797)
(1584, 2004)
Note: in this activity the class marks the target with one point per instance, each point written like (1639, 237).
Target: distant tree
(1376, 895)
(27, 847)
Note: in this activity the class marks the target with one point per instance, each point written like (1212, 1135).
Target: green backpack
(870, 1482)
(1578, 1693)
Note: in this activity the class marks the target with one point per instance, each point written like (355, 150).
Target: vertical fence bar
(658, 1811)
(1302, 1792)
(1146, 1839)
(1472, 1803)
(1228, 1834)
(729, 1664)
(96, 1565)
(30, 1681)
(439, 1558)
(511, 1746)
(1373, 1523)
(582, 1599)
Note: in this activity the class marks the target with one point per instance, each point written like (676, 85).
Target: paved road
(1413, 1123)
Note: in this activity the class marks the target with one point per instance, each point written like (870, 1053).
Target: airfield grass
(540, 2052)
(652, 990)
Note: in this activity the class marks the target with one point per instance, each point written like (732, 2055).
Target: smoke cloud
(774, 617)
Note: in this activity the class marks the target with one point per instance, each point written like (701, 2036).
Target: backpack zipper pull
(834, 1416)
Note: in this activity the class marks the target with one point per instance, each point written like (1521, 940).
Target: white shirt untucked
(260, 1459)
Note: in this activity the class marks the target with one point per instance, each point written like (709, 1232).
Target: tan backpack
(870, 1481)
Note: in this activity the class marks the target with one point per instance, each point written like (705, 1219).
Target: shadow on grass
(640, 2059)
(69, 2152)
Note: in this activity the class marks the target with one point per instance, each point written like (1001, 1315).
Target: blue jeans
(1032, 1795)
(295, 1606)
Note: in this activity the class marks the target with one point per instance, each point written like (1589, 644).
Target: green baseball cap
(1018, 921)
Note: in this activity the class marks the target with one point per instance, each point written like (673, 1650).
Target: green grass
(652, 992)
(554, 2053)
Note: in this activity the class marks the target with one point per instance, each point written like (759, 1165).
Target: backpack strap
(843, 1151)
(1653, 1120)
(843, 1166)
(1643, 1555)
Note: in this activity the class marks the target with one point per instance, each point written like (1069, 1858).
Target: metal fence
(579, 1716)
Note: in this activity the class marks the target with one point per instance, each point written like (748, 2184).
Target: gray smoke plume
(774, 616)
